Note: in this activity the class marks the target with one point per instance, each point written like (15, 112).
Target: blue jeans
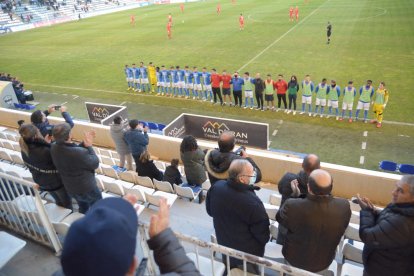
(85, 201)
(62, 198)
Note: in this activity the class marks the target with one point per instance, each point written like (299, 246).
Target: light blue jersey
(136, 72)
(206, 78)
(128, 72)
(197, 77)
(188, 76)
(143, 72)
(165, 75)
(159, 76)
(180, 75)
(174, 75)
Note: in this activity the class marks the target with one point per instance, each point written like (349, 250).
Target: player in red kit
(182, 7)
(218, 8)
(297, 13)
(291, 10)
(132, 20)
(169, 25)
(170, 18)
(241, 22)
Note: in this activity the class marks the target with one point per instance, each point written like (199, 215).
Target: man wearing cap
(315, 224)
(104, 241)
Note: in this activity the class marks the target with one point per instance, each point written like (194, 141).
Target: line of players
(210, 86)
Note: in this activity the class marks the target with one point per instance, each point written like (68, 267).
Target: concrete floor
(186, 217)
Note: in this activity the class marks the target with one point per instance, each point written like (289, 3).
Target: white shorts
(130, 79)
(136, 81)
(307, 99)
(160, 83)
(175, 84)
(198, 87)
(207, 87)
(362, 105)
(144, 81)
(189, 85)
(181, 84)
(167, 84)
(248, 94)
(347, 106)
(321, 102)
(334, 104)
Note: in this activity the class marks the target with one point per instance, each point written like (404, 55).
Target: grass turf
(371, 40)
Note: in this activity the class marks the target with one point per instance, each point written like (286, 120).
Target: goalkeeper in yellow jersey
(152, 76)
(380, 101)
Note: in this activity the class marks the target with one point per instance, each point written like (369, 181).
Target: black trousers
(292, 100)
(259, 100)
(280, 98)
(237, 98)
(217, 93)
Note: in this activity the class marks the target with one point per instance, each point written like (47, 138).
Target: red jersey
(281, 86)
(297, 11)
(170, 18)
(169, 26)
(226, 81)
(241, 19)
(218, 7)
(215, 80)
(182, 7)
(291, 11)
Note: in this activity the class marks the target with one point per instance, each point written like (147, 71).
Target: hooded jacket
(117, 134)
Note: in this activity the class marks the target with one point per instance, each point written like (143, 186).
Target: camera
(57, 107)
(239, 150)
(49, 130)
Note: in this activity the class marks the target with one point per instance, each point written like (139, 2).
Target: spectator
(193, 159)
(39, 119)
(137, 139)
(293, 88)
(146, 167)
(239, 217)
(36, 156)
(118, 129)
(76, 165)
(104, 241)
(172, 174)
(315, 224)
(388, 234)
(259, 87)
(218, 161)
(281, 87)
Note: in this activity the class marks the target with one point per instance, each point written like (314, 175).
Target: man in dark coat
(137, 139)
(217, 161)
(39, 119)
(240, 219)
(388, 235)
(76, 165)
(315, 224)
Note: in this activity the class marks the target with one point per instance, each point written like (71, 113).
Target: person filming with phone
(39, 119)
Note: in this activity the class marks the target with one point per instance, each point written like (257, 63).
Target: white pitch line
(123, 103)
(361, 160)
(274, 132)
(364, 145)
(281, 37)
(280, 122)
(365, 133)
(75, 97)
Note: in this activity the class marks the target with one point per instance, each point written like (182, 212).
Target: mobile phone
(142, 267)
(57, 107)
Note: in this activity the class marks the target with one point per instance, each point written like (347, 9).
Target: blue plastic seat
(152, 126)
(161, 127)
(388, 166)
(406, 168)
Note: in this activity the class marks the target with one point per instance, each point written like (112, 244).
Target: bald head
(240, 171)
(320, 182)
(226, 141)
(310, 163)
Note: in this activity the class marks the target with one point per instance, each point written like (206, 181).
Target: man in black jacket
(218, 161)
(76, 165)
(39, 119)
(259, 87)
(388, 235)
(315, 224)
(240, 219)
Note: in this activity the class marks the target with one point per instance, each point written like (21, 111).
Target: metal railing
(22, 211)
(213, 248)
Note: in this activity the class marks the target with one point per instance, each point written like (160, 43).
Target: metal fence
(22, 211)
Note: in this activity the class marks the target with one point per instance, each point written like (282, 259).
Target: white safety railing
(22, 211)
(262, 263)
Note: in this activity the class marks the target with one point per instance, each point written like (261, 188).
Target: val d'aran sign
(104, 113)
(209, 128)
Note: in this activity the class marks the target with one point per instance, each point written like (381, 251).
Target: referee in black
(329, 32)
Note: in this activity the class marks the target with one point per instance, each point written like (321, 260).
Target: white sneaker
(322, 115)
(337, 118)
(294, 113)
(212, 100)
(251, 108)
(301, 113)
(310, 114)
(245, 107)
(277, 110)
(194, 98)
(314, 114)
(288, 112)
(328, 116)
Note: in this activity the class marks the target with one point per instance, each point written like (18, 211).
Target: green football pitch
(372, 39)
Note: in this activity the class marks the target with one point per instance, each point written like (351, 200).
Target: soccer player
(270, 86)
(218, 8)
(159, 80)
(248, 90)
(152, 76)
(215, 86)
(379, 103)
(181, 80)
(169, 32)
(165, 81)
(281, 88)
(348, 100)
(170, 18)
(188, 81)
(226, 81)
(307, 90)
(237, 89)
(174, 81)
(132, 20)
(291, 10)
(136, 73)
(241, 22)
(321, 91)
(297, 13)
(129, 77)
(333, 98)
(207, 85)
(144, 78)
(197, 89)
(182, 7)
(328, 32)
(366, 92)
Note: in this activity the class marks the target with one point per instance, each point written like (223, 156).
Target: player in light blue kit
(181, 80)
(197, 89)
(174, 81)
(365, 96)
(129, 77)
(143, 77)
(165, 81)
(207, 85)
(135, 72)
(188, 81)
(333, 99)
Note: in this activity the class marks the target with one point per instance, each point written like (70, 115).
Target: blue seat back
(406, 168)
(388, 166)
